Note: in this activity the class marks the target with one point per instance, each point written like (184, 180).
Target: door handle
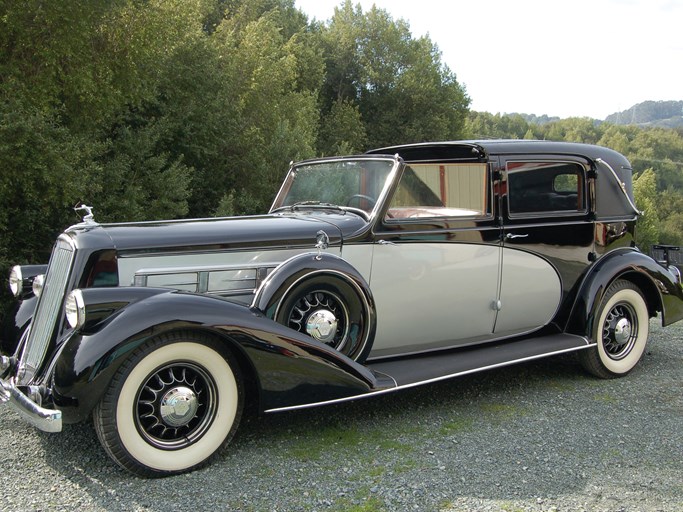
(386, 242)
(511, 236)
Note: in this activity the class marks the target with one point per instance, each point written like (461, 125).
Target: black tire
(324, 292)
(172, 406)
(620, 331)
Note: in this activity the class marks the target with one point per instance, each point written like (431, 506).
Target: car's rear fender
(660, 290)
(288, 368)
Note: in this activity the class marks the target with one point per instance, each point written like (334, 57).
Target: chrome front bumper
(47, 420)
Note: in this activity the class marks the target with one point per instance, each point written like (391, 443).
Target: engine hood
(276, 230)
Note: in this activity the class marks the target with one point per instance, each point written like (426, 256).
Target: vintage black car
(370, 274)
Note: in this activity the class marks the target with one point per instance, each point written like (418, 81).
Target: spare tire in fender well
(291, 274)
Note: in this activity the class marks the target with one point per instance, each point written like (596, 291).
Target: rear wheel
(621, 329)
(173, 405)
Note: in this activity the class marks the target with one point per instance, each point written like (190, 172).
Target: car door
(436, 260)
(547, 238)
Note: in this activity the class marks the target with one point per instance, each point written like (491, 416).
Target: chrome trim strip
(199, 277)
(428, 381)
(47, 420)
(388, 377)
(621, 184)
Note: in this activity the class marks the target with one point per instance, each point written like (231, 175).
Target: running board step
(414, 370)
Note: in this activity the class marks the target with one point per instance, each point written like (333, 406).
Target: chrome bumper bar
(47, 420)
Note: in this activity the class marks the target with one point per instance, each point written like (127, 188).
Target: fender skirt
(657, 284)
(287, 367)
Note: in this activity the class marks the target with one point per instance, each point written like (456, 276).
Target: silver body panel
(431, 295)
(530, 293)
(437, 295)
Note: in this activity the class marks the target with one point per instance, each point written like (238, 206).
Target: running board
(412, 371)
(406, 372)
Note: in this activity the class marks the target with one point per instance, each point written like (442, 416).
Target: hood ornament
(88, 217)
(322, 242)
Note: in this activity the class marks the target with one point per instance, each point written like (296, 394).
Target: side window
(440, 190)
(535, 187)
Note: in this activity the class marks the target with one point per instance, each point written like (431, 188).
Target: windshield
(351, 184)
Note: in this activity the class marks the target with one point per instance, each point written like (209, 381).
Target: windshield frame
(278, 207)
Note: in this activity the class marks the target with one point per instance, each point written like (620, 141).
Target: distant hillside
(534, 119)
(665, 114)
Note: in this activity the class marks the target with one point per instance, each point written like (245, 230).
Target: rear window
(540, 187)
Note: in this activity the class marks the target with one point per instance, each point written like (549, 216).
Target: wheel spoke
(314, 302)
(184, 417)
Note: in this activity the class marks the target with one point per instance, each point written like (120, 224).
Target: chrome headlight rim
(37, 284)
(74, 309)
(16, 281)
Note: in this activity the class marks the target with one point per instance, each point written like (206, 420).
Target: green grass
(356, 442)
(605, 397)
(456, 426)
(503, 412)
(369, 505)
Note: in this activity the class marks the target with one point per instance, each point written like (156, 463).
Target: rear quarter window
(545, 187)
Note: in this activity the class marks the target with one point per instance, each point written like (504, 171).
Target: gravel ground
(534, 437)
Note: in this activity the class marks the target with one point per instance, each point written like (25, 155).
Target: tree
(273, 112)
(483, 125)
(645, 192)
(398, 84)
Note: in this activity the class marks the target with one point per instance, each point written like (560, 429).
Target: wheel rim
(620, 331)
(175, 406)
(322, 315)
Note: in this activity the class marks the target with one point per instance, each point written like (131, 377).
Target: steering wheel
(369, 199)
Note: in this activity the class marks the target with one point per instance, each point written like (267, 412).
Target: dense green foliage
(176, 108)
(173, 108)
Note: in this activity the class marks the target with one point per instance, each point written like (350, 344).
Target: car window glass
(343, 182)
(535, 187)
(440, 190)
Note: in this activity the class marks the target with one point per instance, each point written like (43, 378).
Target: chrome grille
(48, 311)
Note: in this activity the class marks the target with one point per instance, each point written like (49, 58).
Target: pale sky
(568, 59)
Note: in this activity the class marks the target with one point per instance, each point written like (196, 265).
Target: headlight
(16, 280)
(37, 284)
(74, 307)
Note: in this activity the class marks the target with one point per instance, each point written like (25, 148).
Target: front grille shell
(49, 310)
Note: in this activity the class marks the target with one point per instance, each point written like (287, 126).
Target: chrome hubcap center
(622, 331)
(178, 406)
(322, 325)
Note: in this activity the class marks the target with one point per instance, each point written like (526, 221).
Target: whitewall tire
(173, 405)
(620, 331)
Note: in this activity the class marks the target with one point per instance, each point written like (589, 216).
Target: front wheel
(620, 330)
(173, 405)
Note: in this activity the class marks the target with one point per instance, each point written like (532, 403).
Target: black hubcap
(620, 331)
(176, 406)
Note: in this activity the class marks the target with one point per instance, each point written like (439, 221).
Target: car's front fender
(288, 367)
